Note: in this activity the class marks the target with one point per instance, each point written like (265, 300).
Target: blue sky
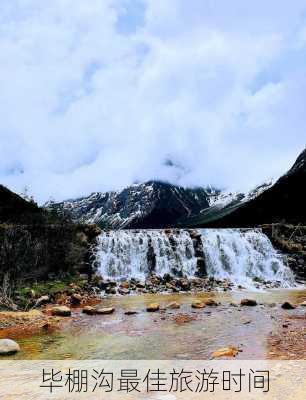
(96, 95)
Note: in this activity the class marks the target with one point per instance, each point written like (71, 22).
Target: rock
(89, 310)
(131, 312)
(288, 306)
(184, 284)
(153, 307)
(110, 290)
(167, 278)
(8, 346)
(197, 304)
(42, 300)
(97, 280)
(170, 286)
(105, 310)
(233, 304)
(303, 304)
(210, 302)
(173, 306)
(76, 298)
(125, 285)
(225, 352)
(123, 291)
(61, 311)
(248, 302)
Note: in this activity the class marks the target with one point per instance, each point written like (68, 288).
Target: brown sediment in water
(21, 324)
(183, 318)
(289, 342)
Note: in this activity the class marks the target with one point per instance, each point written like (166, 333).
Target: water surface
(168, 334)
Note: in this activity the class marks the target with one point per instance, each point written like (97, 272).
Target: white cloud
(98, 94)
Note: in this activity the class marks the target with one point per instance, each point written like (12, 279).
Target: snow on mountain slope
(222, 203)
(153, 205)
(284, 201)
(148, 205)
(225, 198)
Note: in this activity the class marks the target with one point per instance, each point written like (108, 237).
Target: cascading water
(240, 256)
(137, 253)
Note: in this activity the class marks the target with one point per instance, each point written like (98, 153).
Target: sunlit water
(163, 335)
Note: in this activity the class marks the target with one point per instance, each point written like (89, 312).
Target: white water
(233, 254)
(124, 253)
(242, 255)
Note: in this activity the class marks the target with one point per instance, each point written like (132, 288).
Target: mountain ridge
(156, 204)
(285, 202)
(153, 204)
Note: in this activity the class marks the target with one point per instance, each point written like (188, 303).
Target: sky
(98, 94)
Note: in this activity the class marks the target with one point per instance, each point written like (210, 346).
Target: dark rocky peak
(299, 165)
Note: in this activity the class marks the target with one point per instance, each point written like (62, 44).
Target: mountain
(285, 201)
(148, 205)
(222, 203)
(157, 204)
(14, 208)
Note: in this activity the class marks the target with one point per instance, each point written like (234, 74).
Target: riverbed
(183, 333)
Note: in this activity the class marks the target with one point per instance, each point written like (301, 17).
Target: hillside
(14, 209)
(148, 205)
(285, 201)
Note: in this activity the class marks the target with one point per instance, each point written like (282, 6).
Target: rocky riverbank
(191, 325)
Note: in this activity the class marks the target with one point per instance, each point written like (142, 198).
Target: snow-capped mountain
(160, 205)
(148, 205)
(222, 203)
(283, 201)
(223, 199)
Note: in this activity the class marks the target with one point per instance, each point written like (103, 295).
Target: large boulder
(197, 304)
(210, 302)
(153, 307)
(8, 346)
(89, 310)
(173, 306)
(288, 306)
(248, 302)
(131, 312)
(76, 299)
(61, 311)
(225, 352)
(42, 300)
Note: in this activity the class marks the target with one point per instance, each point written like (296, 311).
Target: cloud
(97, 95)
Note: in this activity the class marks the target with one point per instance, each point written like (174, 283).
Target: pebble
(105, 310)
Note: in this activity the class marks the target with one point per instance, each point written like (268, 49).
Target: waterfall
(125, 253)
(240, 256)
